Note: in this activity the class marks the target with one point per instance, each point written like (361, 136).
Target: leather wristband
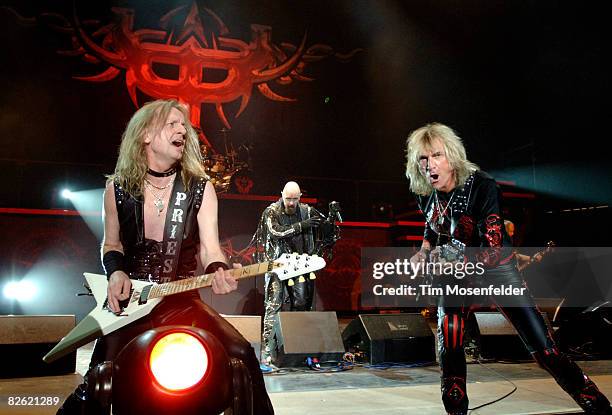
(213, 267)
(113, 261)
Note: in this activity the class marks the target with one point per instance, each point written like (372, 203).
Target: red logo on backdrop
(180, 58)
(190, 57)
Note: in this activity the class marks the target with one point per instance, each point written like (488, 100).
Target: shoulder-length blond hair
(131, 167)
(421, 140)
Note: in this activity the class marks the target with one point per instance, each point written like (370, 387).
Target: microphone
(334, 209)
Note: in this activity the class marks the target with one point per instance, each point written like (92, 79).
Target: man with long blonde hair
(462, 208)
(159, 166)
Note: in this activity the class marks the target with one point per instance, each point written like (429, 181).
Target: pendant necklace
(442, 212)
(159, 199)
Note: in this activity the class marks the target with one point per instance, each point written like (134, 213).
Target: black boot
(591, 399)
(571, 378)
(454, 395)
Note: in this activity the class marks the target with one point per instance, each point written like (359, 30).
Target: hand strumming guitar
(119, 286)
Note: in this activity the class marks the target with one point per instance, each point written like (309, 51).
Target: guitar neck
(205, 280)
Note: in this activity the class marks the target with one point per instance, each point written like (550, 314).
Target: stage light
(67, 194)
(89, 204)
(23, 290)
(178, 361)
(169, 370)
(562, 180)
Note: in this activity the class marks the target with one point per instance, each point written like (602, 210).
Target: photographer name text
(450, 289)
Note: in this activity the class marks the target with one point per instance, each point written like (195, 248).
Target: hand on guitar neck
(224, 282)
(524, 261)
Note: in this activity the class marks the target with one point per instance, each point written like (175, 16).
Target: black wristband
(113, 261)
(213, 267)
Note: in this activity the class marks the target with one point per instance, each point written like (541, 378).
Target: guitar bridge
(122, 304)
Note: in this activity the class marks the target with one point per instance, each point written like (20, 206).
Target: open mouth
(178, 143)
(434, 177)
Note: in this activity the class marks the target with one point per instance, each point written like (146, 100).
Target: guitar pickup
(144, 294)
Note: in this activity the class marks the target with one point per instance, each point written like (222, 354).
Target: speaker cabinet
(302, 334)
(249, 327)
(498, 339)
(396, 338)
(26, 339)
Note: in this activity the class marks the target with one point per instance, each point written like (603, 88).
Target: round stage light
(178, 361)
(172, 370)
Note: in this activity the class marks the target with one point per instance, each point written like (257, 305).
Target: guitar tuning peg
(290, 283)
(312, 276)
(301, 279)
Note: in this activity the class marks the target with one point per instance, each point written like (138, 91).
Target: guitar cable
(501, 397)
(328, 366)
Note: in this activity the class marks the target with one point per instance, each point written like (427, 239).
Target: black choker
(164, 174)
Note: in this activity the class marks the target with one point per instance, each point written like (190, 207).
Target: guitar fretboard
(205, 280)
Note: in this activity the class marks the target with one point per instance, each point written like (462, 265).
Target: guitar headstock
(550, 247)
(292, 265)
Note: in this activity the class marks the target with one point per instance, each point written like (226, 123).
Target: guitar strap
(174, 230)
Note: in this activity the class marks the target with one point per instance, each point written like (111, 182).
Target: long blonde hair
(131, 167)
(422, 139)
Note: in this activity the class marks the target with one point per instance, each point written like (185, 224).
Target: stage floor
(364, 390)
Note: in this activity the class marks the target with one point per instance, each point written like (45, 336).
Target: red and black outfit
(144, 261)
(471, 214)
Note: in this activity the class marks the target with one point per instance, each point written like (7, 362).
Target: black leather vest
(144, 256)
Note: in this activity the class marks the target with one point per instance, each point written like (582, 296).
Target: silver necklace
(157, 187)
(442, 212)
(159, 199)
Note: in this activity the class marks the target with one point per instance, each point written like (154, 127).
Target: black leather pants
(522, 312)
(182, 309)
